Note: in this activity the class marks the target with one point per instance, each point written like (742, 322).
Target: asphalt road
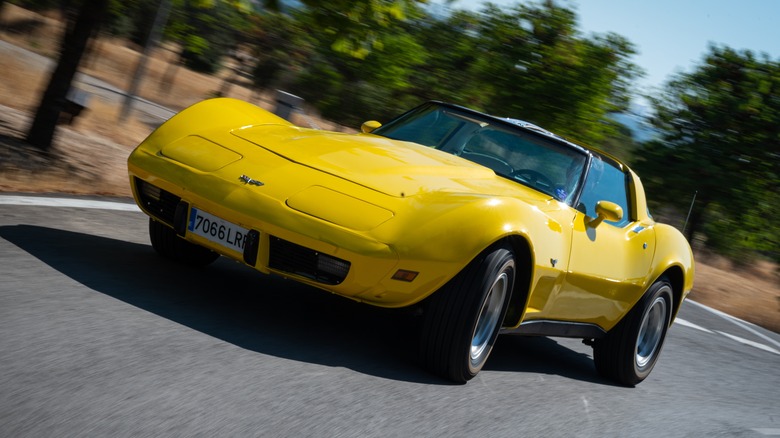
(101, 337)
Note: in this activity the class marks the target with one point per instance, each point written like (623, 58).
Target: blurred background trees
(78, 30)
(534, 63)
(716, 128)
(720, 139)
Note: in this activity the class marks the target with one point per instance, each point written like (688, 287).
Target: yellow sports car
(489, 225)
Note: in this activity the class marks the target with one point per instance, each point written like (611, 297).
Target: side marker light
(404, 275)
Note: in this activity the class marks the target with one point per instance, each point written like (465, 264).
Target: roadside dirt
(89, 157)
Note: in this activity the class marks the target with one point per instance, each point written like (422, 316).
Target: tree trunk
(2, 14)
(72, 48)
(168, 78)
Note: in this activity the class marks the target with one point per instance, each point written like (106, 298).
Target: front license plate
(217, 230)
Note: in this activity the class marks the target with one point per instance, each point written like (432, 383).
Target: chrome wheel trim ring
(651, 332)
(488, 318)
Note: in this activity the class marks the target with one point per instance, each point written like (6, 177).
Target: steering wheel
(533, 178)
(498, 165)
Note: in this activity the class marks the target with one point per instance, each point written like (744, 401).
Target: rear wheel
(169, 245)
(462, 319)
(630, 350)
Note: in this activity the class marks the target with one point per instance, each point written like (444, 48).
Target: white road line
(749, 342)
(737, 321)
(691, 325)
(768, 431)
(743, 324)
(66, 202)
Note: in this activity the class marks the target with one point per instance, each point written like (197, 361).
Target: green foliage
(448, 73)
(527, 62)
(347, 88)
(208, 31)
(536, 66)
(355, 27)
(721, 138)
(620, 143)
(117, 21)
(281, 47)
(745, 237)
(141, 15)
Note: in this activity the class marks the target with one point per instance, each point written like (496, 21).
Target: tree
(72, 48)
(279, 44)
(355, 27)
(452, 46)
(213, 29)
(359, 62)
(720, 139)
(345, 88)
(528, 61)
(534, 65)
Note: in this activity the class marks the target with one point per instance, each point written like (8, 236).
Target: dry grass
(89, 157)
(749, 292)
(113, 61)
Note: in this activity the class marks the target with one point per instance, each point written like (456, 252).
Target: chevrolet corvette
(488, 225)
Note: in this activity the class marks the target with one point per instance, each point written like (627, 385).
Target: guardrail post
(75, 102)
(286, 104)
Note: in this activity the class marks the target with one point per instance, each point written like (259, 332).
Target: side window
(605, 182)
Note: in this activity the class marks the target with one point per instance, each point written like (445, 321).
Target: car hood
(393, 167)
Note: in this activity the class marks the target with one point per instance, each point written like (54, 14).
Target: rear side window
(605, 182)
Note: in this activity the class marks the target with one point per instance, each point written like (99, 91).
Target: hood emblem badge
(247, 180)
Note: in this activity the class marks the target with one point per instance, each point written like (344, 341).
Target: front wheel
(630, 350)
(463, 318)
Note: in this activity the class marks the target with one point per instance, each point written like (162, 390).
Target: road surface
(101, 337)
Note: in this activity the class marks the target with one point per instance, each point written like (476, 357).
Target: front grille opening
(157, 202)
(296, 259)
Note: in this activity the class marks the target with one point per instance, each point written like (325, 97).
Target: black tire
(462, 319)
(171, 246)
(630, 350)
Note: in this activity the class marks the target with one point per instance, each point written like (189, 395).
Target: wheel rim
(651, 332)
(489, 315)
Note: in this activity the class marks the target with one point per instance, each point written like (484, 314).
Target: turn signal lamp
(404, 275)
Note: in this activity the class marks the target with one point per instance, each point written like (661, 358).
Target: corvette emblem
(247, 180)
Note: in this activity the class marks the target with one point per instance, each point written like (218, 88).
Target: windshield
(536, 160)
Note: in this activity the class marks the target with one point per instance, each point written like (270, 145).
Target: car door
(609, 259)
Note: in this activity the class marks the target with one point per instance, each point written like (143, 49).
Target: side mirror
(369, 126)
(606, 211)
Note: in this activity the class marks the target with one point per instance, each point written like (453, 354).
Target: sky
(672, 36)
